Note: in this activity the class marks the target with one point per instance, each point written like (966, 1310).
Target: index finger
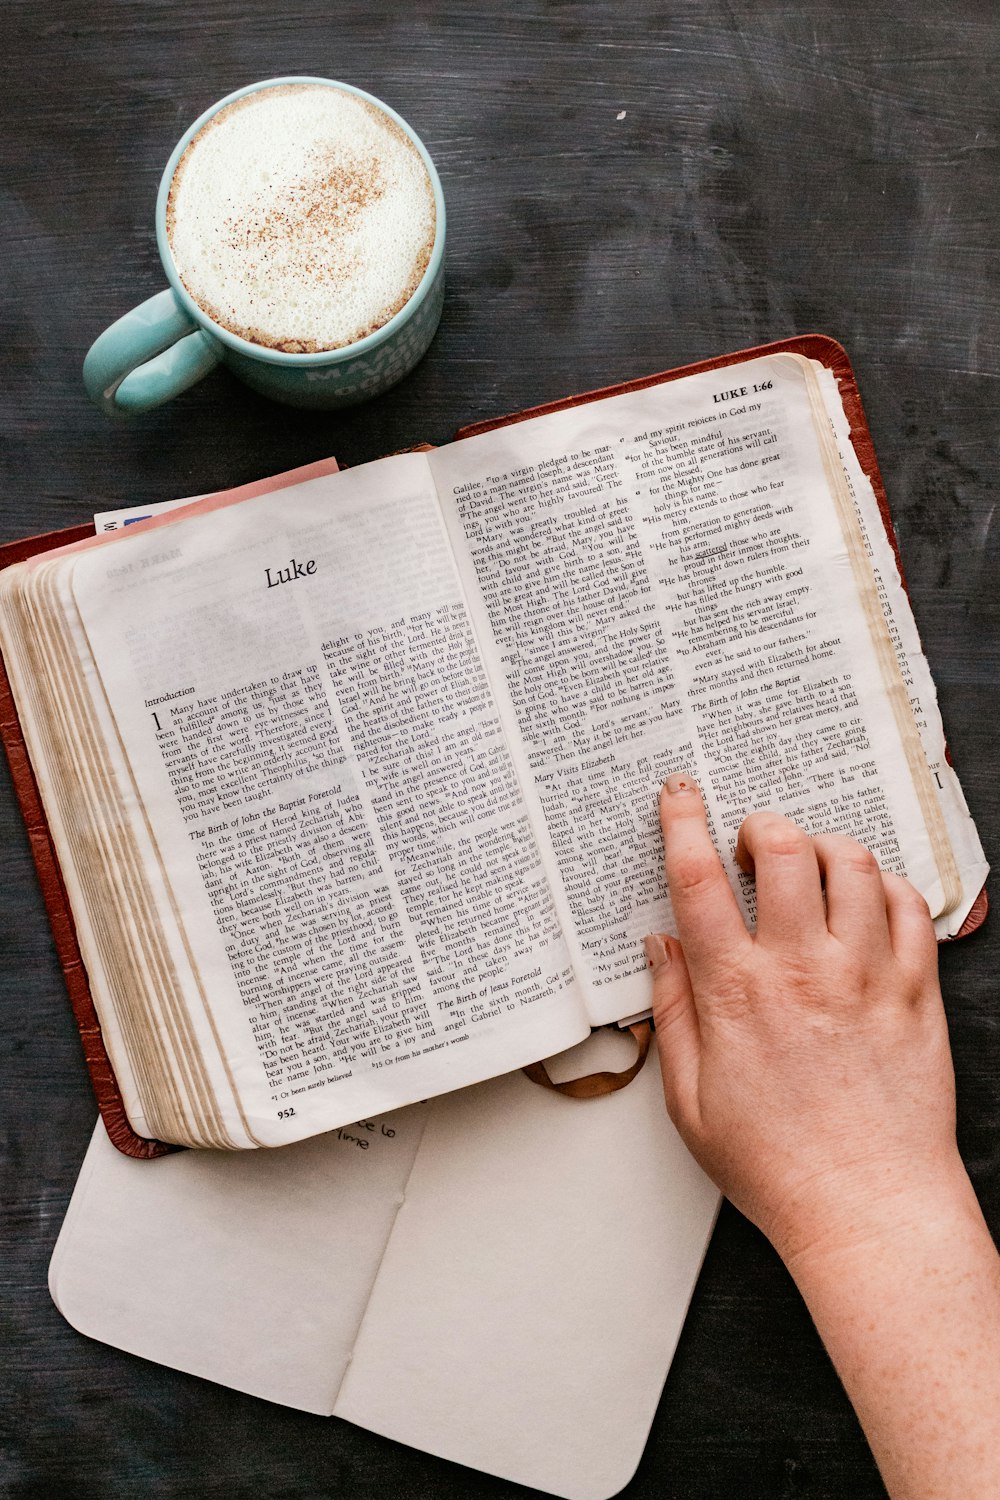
(709, 922)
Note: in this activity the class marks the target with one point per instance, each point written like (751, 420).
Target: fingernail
(680, 781)
(657, 952)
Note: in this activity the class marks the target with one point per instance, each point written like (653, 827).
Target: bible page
(661, 581)
(332, 810)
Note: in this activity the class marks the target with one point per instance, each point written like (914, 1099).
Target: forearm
(807, 1068)
(908, 1306)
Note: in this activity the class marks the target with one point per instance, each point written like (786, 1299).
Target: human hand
(807, 1066)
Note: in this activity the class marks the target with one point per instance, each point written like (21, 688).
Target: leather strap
(592, 1085)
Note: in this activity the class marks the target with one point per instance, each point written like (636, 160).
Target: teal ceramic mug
(169, 342)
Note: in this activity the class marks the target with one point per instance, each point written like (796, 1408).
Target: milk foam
(301, 218)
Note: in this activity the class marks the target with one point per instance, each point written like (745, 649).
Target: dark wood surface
(775, 169)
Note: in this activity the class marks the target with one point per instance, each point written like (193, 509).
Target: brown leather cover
(814, 346)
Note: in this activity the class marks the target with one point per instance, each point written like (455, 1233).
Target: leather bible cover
(109, 1100)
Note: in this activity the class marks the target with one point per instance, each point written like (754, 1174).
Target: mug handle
(149, 356)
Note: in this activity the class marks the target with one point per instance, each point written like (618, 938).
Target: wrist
(907, 1302)
(851, 1212)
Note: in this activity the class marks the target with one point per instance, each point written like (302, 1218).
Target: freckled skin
(807, 1068)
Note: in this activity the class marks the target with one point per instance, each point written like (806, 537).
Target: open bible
(353, 786)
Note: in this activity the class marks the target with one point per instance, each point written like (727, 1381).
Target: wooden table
(630, 186)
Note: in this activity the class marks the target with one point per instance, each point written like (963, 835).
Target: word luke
(294, 570)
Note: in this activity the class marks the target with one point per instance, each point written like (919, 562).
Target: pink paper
(215, 501)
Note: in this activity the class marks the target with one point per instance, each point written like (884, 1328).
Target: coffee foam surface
(301, 218)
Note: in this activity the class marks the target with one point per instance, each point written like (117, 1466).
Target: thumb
(678, 1039)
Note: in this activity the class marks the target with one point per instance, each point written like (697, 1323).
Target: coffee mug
(169, 342)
